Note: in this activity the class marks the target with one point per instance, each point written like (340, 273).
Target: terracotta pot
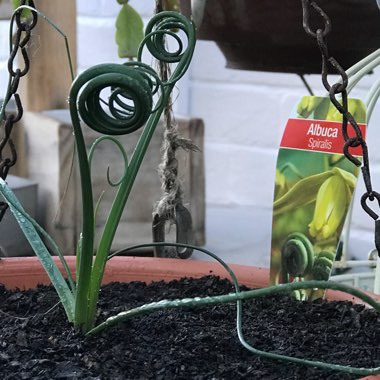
(27, 272)
(267, 35)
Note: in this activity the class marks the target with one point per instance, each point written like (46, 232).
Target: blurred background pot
(12, 239)
(267, 35)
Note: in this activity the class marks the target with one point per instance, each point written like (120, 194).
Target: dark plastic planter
(267, 35)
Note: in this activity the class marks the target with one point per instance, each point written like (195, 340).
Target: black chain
(20, 42)
(335, 89)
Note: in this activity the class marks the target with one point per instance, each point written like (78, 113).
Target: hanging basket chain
(20, 42)
(340, 88)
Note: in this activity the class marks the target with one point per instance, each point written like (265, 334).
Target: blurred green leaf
(322, 109)
(302, 193)
(129, 32)
(26, 13)
(122, 2)
(348, 177)
(331, 206)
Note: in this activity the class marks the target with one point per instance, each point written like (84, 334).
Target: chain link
(19, 47)
(340, 88)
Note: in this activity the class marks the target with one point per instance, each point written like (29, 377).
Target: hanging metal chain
(19, 47)
(340, 88)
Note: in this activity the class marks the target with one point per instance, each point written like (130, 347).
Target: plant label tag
(314, 184)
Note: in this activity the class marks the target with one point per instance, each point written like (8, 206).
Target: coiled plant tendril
(125, 83)
(323, 264)
(118, 144)
(155, 40)
(297, 256)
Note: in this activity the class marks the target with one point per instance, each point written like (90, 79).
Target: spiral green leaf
(322, 266)
(125, 84)
(297, 255)
(122, 151)
(162, 26)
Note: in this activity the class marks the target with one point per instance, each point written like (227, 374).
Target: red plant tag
(317, 135)
(313, 190)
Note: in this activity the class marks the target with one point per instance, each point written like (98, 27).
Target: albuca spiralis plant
(137, 98)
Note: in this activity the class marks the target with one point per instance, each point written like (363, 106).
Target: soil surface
(36, 342)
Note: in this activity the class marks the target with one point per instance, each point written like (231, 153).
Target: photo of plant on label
(313, 190)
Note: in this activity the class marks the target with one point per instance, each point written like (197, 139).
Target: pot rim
(27, 272)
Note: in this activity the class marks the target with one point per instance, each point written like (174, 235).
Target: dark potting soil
(36, 342)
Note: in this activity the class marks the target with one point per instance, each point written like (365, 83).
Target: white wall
(244, 114)
(3, 55)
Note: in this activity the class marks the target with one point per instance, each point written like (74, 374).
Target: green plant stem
(87, 242)
(138, 82)
(247, 295)
(125, 159)
(356, 72)
(363, 62)
(238, 297)
(372, 98)
(159, 52)
(233, 297)
(117, 210)
(181, 245)
(362, 68)
(90, 84)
